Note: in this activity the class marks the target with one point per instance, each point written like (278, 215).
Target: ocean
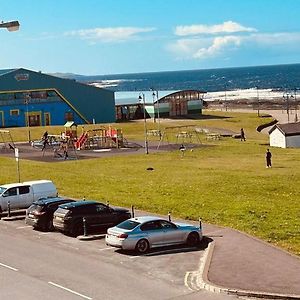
(277, 77)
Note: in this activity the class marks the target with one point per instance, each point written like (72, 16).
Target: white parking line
(8, 267)
(69, 290)
(22, 227)
(108, 248)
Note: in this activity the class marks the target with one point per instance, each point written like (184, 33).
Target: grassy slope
(226, 184)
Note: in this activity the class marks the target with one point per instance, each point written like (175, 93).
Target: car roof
(144, 219)
(78, 204)
(9, 185)
(46, 201)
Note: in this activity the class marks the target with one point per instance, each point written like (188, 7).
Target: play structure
(7, 140)
(103, 137)
(67, 144)
(180, 135)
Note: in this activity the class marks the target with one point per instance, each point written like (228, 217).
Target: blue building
(37, 99)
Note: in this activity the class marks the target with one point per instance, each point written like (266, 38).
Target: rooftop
(288, 128)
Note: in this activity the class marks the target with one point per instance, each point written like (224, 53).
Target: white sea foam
(240, 94)
(111, 82)
(245, 94)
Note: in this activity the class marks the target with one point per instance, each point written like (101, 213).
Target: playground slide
(81, 141)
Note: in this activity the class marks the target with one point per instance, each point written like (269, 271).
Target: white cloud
(210, 47)
(109, 34)
(200, 48)
(226, 27)
(219, 44)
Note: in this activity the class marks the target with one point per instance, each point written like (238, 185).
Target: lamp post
(155, 93)
(142, 97)
(225, 96)
(258, 103)
(10, 26)
(296, 106)
(154, 117)
(287, 96)
(26, 101)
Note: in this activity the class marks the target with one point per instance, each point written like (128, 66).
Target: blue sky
(95, 37)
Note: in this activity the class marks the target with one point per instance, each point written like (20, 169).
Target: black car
(68, 218)
(40, 213)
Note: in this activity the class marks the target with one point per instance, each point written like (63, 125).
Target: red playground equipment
(104, 137)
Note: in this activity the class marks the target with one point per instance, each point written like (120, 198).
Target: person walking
(243, 138)
(269, 158)
(45, 140)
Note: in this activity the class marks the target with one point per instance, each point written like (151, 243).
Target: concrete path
(243, 263)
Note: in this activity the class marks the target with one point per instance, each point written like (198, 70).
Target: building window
(15, 112)
(69, 116)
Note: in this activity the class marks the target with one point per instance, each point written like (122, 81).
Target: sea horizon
(276, 77)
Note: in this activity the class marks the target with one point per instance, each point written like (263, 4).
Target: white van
(21, 195)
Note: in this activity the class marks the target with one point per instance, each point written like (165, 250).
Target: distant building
(37, 99)
(285, 135)
(164, 104)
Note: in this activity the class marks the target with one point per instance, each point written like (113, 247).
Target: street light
(10, 26)
(26, 101)
(225, 96)
(257, 96)
(142, 97)
(287, 96)
(296, 105)
(155, 93)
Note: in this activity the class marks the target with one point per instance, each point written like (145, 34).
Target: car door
(11, 196)
(172, 235)
(25, 197)
(100, 216)
(153, 233)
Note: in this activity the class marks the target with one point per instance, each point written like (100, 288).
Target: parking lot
(68, 268)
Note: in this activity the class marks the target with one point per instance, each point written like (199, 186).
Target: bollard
(169, 216)
(107, 203)
(200, 223)
(132, 211)
(8, 208)
(84, 226)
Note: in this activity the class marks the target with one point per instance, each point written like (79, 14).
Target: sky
(101, 37)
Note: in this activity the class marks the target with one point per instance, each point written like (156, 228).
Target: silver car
(143, 233)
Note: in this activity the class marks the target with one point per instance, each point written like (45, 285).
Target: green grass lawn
(225, 184)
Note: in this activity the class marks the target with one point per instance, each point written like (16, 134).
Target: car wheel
(193, 239)
(77, 230)
(49, 225)
(142, 246)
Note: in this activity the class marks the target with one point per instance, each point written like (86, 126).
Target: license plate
(59, 218)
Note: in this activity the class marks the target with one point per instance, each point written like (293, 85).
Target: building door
(178, 107)
(47, 119)
(1, 119)
(34, 119)
(183, 108)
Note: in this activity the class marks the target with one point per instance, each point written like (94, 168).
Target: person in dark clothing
(243, 138)
(269, 158)
(182, 149)
(45, 140)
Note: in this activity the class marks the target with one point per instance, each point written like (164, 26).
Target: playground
(98, 142)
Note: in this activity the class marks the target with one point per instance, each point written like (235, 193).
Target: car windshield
(128, 224)
(2, 189)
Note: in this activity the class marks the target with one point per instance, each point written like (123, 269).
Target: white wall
(277, 139)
